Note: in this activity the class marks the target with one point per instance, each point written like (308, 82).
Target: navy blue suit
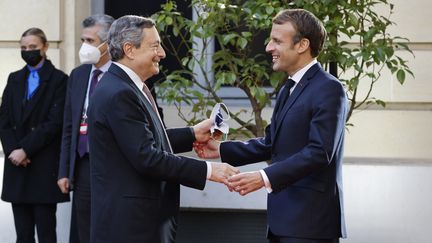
(73, 167)
(75, 97)
(134, 176)
(305, 146)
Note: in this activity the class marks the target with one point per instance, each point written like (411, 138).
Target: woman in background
(31, 114)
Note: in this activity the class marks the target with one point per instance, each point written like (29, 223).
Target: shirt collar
(300, 73)
(31, 69)
(132, 75)
(103, 68)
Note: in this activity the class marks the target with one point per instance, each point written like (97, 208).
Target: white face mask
(219, 122)
(89, 54)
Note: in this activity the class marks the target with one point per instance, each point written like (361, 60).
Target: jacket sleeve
(238, 153)
(64, 164)
(181, 139)
(46, 131)
(137, 143)
(7, 131)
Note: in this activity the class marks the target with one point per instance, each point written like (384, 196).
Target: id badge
(83, 128)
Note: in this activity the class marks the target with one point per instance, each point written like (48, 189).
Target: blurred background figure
(31, 115)
(74, 170)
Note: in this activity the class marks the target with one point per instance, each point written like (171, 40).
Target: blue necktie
(33, 83)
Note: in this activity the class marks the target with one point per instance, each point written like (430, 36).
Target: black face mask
(32, 58)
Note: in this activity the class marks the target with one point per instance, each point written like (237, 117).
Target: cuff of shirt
(209, 170)
(266, 181)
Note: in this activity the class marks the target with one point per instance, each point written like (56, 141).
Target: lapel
(80, 91)
(44, 74)
(116, 70)
(19, 93)
(303, 83)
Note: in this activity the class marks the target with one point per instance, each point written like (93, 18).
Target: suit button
(14, 127)
(32, 128)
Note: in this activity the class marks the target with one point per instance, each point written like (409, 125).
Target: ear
(44, 49)
(304, 45)
(103, 48)
(129, 50)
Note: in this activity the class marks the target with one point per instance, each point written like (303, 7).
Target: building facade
(388, 155)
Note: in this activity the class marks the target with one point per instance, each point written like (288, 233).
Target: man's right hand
(63, 184)
(222, 171)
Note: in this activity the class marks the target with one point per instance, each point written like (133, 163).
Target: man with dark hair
(134, 175)
(304, 140)
(74, 170)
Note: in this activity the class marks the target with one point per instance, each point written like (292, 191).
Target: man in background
(74, 170)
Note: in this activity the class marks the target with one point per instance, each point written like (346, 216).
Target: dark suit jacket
(130, 161)
(305, 146)
(75, 97)
(35, 126)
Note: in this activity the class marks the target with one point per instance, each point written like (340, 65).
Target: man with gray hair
(74, 168)
(135, 176)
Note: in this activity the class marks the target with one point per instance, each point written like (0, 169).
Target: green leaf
(176, 30)
(168, 20)
(246, 34)
(400, 76)
(269, 9)
(242, 42)
(229, 37)
(381, 103)
(168, 6)
(230, 77)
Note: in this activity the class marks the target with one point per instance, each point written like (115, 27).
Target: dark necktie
(94, 80)
(283, 96)
(150, 97)
(153, 103)
(83, 140)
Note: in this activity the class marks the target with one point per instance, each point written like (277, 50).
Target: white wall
(385, 202)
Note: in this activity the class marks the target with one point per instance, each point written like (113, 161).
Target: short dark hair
(99, 19)
(128, 28)
(307, 25)
(36, 32)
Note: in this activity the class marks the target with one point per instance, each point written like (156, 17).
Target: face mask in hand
(89, 54)
(219, 123)
(32, 58)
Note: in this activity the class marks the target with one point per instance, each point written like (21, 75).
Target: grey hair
(129, 29)
(99, 19)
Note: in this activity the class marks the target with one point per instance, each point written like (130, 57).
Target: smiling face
(148, 55)
(285, 53)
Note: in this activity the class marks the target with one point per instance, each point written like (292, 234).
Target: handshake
(207, 146)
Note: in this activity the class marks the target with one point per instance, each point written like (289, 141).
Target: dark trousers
(81, 198)
(298, 240)
(279, 239)
(27, 216)
(73, 235)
